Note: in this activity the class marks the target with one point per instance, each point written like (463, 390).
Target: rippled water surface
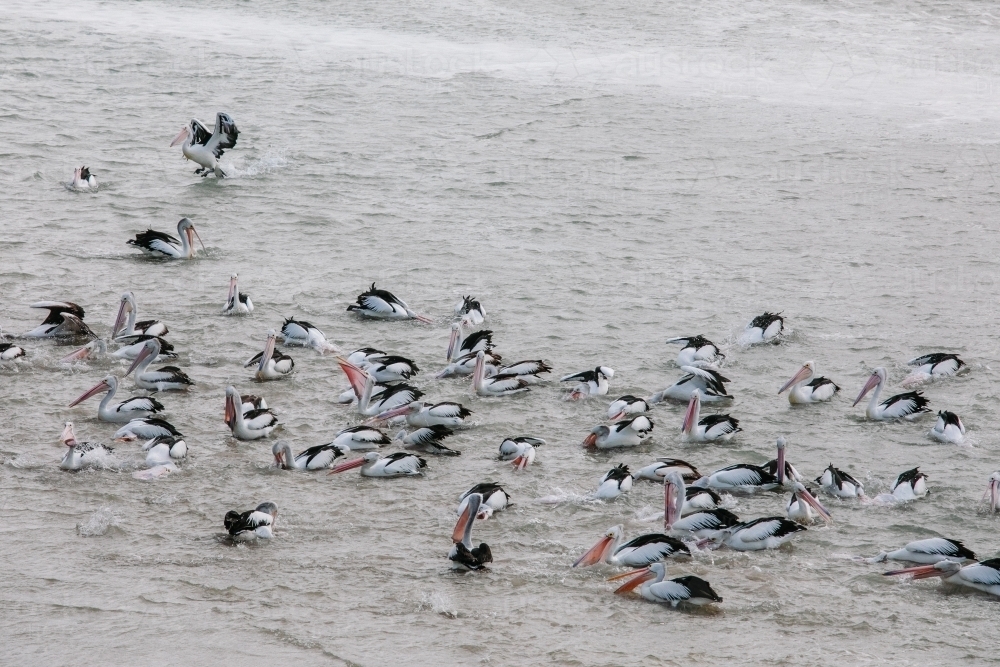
(602, 176)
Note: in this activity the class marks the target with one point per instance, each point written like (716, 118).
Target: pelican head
(876, 379)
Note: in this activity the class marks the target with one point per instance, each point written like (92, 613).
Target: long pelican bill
(871, 384)
(918, 572)
(639, 577)
(595, 554)
(96, 389)
(349, 465)
(355, 376)
(802, 374)
(181, 136)
(143, 353)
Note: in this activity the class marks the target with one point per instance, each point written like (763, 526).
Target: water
(603, 176)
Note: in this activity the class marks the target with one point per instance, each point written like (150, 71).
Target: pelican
(81, 454)
(520, 450)
(682, 500)
(626, 433)
(697, 499)
(204, 148)
(690, 589)
(949, 428)
(459, 345)
(420, 414)
(710, 428)
(768, 532)
(909, 485)
(237, 303)
(126, 411)
(801, 505)
(392, 368)
(471, 311)
(658, 470)
(300, 332)
(83, 179)
(252, 425)
(314, 458)
(628, 406)
(706, 380)
(164, 378)
(363, 384)
(383, 305)
(498, 385)
(808, 389)
(95, 349)
(901, 406)
(742, 477)
(125, 324)
(428, 440)
(764, 328)
(253, 524)
(993, 491)
(984, 576)
(133, 345)
(639, 552)
(589, 383)
(784, 473)
(696, 351)
(360, 438)
(397, 464)
(146, 428)
(838, 483)
(65, 319)
(938, 364)
(927, 552)
(271, 364)
(466, 365)
(165, 246)
(614, 483)
(494, 499)
(10, 352)
(164, 449)
(526, 369)
(463, 554)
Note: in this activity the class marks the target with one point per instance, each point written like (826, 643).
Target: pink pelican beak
(590, 440)
(595, 554)
(692, 408)
(192, 233)
(355, 376)
(68, 438)
(389, 414)
(419, 318)
(456, 331)
(231, 408)
(146, 351)
(268, 351)
(780, 471)
(521, 462)
(670, 510)
(803, 494)
(639, 577)
(803, 373)
(619, 415)
(349, 465)
(232, 290)
(83, 353)
(871, 384)
(181, 136)
(920, 572)
(123, 309)
(279, 459)
(96, 389)
(993, 491)
(459, 532)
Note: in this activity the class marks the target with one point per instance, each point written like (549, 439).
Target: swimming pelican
(589, 383)
(360, 438)
(786, 474)
(526, 369)
(993, 491)
(80, 454)
(126, 411)
(383, 305)
(391, 368)
(397, 464)
(983, 576)
(909, 405)
(417, 413)
(131, 346)
(253, 524)
(271, 364)
(466, 365)
(710, 428)
(838, 483)
(768, 532)
(237, 303)
(460, 345)
(614, 483)
(909, 485)
(520, 450)
(427, 439)
(498, 385)
(638, 552)
(628, 406)
(706, 380)
(494, 499)
(164, 378)
(658, 470)
(928, 551)
(471, 311)
(764, 328)
(462, 553)
(95, 349)
(938, 364)
(83, 179)
(204, 148)
(125, 324)
(742, 477)
(363, 385)
(949, 428)
(696, 351)
(313, 458)
(689, 589)
(9, 351)
(801, 505)
(680, 500)
(808, 389)
(164, 449)
(146, 428)
(300, 332)
(165, 246)
(252, 425)
(65, 319)
(626, 433)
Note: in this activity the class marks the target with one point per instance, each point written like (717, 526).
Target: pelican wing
(223, 137)
(761, 529)
(904, 405)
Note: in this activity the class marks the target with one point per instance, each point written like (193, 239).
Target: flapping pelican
(65, 319)
(808, 389)
(204, 148)
(384, 305)
(165, 246)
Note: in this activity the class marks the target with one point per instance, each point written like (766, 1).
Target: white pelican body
(10, 352)
(840, 484)
(65, 320)
(929, 551)
(639, 552)
(938, 364)
(383, 305)
(498, 385)
(708, 429)
(360, 438)
(949, 428)
(984, 576)
(165, 378)
(146, 428)
(764, 328)
(424, 414)
(133, 345)
(253, 425)
(460, 345)
(663, 466)
(300, 332)
(701, 517)
(742, 477)
(466, 365)
(626, 433)
(628, 406)
(164, 449)
(271, 364)
(391, 368)
(471, 311)
(909, 405)
(803, 507)
(706, 380)
(689, 589)
(363, 385)
(428, 439)
(589, 383)
(494, 499)
(125, 324)
(237, 303)
(319, 457)
(252, 525)
(397, 464)
(765, 533)
(520, 450)
(81, 454)
(121, 413)
(696, 351)
(204, 148)
(614, 483)
(83, 179)
(993, 491)
(462, 554)
(808, 389)
(165, 246)
(910, 485)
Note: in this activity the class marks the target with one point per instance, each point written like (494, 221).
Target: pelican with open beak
(93, 350)
(689, 589)
(993, 491)
(805, 388)
(165, 246)
(205, 148)
(271, 364)
(363, 385)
